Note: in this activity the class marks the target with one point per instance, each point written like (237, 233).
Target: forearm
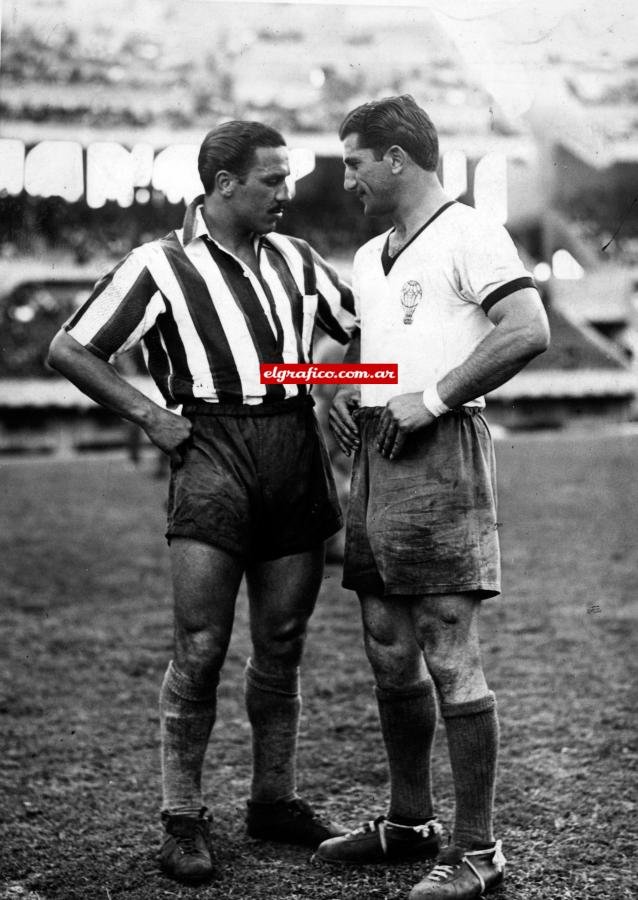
(100, 381)
(347, 398)
(503, 353)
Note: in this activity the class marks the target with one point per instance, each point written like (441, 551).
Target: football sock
(408, 723)
(473, 737)
(273, 704)
(187, 715)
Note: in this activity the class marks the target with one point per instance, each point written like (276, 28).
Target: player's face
(367, 177)
(260, 197)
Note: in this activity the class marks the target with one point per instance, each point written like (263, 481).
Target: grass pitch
(86, 633)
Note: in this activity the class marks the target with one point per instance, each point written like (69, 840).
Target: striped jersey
(206, 321)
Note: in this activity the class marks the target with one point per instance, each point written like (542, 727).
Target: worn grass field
(86, 632)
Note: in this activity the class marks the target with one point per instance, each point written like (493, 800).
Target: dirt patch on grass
(86, 634)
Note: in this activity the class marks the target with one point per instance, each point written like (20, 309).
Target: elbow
(60, 355)
(538, 336)
(541, 343)
(545, 336)
(55, 354)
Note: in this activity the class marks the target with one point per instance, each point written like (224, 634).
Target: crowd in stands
(608, 225)
(100, 78)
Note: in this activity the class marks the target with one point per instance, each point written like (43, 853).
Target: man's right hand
(342, 425)
(98, 379)
(169, 432)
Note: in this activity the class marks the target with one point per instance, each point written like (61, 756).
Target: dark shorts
(424, 523)
(256, 481)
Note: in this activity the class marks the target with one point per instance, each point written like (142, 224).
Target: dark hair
(394, 120)
(232, 146)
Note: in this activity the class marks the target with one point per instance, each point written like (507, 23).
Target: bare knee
(199, 654)
(393, 654)
(447, 631)
(279, 646)
(205, 584)
(458, 676)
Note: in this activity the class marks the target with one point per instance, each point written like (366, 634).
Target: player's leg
(282, 595)
(407, 713)
(407, 705)
(404, 691)
(205, 584)
(447, 630)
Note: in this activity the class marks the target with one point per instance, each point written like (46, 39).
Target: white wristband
(433, 402)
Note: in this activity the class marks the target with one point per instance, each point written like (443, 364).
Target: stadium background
(535, 107)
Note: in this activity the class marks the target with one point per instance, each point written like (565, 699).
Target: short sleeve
(122, 307)
(488, 263)
(335, 307)
(356, 289)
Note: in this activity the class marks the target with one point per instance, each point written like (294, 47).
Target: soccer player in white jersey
(444, 294)
(251, 491)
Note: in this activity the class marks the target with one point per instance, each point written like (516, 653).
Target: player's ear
(225, 183)
(397, 157)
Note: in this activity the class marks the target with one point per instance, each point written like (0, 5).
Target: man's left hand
(402, 415)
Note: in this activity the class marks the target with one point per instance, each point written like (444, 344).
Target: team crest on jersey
(411, 294)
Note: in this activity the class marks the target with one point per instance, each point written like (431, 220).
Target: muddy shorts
(256, 480)
(424, 523)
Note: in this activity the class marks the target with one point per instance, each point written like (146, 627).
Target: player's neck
(417, 207)
(225, 230)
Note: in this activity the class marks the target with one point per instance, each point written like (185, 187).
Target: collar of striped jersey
(195, 227)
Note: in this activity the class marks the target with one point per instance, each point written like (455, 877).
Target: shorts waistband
(274, 408)
(369, 412)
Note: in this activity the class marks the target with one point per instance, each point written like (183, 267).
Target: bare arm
(100, 381)
(345, 401)
(521, 333)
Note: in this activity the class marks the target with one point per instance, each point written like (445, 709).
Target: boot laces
(186, 839)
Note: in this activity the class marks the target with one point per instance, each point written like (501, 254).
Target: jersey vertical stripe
(292, 260)
(98, 323)
(100, 286)
(232, 329)
(309, 274)
(179, 281)
(221, 368)
(295, 300)
(119, 328)
(158, 362)
(286, 302)
(241, 289)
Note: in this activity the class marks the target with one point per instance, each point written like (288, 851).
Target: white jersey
(426, 308)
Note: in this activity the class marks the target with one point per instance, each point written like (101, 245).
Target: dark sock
(473, 737)
(482, 845)
(273, 704)
(408, 723)
(407, 821)
(187, 715)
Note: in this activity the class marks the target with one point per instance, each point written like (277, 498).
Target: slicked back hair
(394, 120)
(231, 146)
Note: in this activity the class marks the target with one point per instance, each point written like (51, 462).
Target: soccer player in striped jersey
(251, 491)
(446, 289)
